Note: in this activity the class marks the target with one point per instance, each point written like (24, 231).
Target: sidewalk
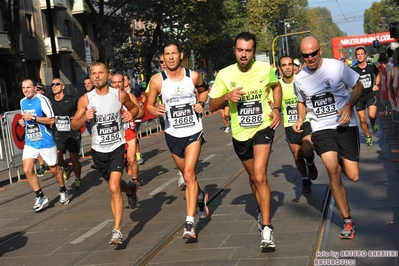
(374, 203)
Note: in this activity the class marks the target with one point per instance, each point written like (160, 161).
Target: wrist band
(350, 106)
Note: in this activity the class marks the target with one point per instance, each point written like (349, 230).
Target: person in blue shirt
(37, 117)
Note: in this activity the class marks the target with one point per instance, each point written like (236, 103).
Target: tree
(10, 12)
(379, 15)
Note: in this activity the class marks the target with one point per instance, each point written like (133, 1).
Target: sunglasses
(161, 62)
(55, 84)
(311, 54)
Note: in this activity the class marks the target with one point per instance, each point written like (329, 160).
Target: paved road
(78, 234)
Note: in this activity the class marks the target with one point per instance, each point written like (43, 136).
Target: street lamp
(287, 25)
(288, 34)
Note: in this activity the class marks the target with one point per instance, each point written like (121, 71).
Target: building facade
(74, 33)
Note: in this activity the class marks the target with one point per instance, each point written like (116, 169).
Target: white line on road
(92, 232)
(164, 185)
(229, 144)
(209, 157)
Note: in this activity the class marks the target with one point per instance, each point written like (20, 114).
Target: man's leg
(372, 112)
(187, 166)
(330, 160)
(77, 168)
(30, 173)
(114, 184)
(256, 169)
(363, 122)
(298, 158)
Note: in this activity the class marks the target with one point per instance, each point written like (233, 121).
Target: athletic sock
(39, 193)
(190, 219)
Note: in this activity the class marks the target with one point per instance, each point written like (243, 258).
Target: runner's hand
(235, 95)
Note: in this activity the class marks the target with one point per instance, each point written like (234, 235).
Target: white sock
(190, 219)
(306, 178)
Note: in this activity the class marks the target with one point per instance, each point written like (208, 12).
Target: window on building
(67, 28)
(72, 70)
(30, 26)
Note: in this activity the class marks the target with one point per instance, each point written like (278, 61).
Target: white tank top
(179, 97)
(107, 129)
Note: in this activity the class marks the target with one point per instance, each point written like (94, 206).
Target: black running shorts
(343, 140)
(106, 163)
(178, 145)
(293, 137)
(245, 150)
(68, 141)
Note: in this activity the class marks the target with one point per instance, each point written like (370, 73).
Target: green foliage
(208, 28)
(379, 15)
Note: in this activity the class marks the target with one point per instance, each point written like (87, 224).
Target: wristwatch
(202, 103)
(33, 118)
(278, 108)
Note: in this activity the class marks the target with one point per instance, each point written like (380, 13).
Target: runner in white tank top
(102, 106)
(183, 126)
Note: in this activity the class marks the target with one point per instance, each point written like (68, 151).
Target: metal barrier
(13, 141)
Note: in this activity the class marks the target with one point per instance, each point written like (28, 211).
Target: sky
(347, 14)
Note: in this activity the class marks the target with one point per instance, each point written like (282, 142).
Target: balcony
(54, 4)
(4, 42)
(62, 44)
(79, 7)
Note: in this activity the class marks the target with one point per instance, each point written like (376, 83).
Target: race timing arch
(339, 43)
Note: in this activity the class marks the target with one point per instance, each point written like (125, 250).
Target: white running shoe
(181, 181)
(267, 238)
(39, 203)
(116, 238)
(227, 130)
(64, 198)
(189, 231)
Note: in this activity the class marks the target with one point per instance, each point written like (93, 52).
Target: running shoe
(42, 170)
(39, 203)
(133, 199)
(312, 171)
(189, 231)
(306, 183)
(227, 130)
(203, 210)
(139, 158)
(67, 173)
(78, 183)
(369, 141)
(64, 198)
(259, 219)
(267, 240)
(116, 238)
(181, 182)
(349, 230)
(375, 127)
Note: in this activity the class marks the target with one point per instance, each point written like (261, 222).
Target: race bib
(182, 115)
(250, 114)
(324, 105)
(366, 81)
(63, 123)
(292, 113)
(34, 133)
(109, 132)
